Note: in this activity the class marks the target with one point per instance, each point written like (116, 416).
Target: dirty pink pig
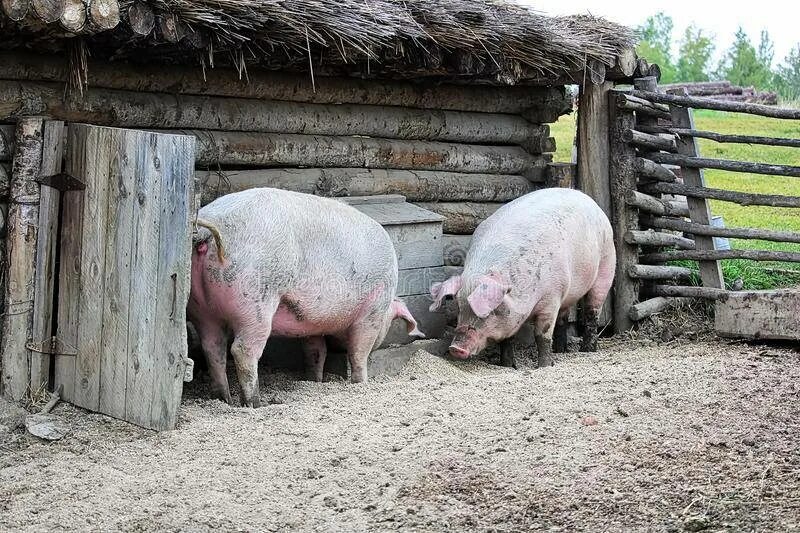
(272, 262)
(532, 260)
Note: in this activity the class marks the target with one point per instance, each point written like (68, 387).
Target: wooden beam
(593, 145)
(284, 150)
(649, 169)
(655, 238)
(21, 239)
(654, 272)
(741, 198)
(650, 142)
(414, 185)
(656, 206)
(687, 161)
(699, 212)
(127, 109)
(725, 138)
(653, 306)
(461, 218)
(624, 217)
(271, 85)
(707, 293)
(709, 103)
(718, 255)
(45, 274)
(639, 105)
(735, 233)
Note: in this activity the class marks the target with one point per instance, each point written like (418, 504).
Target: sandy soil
(641, 436)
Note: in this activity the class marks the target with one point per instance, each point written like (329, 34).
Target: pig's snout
(458, 352)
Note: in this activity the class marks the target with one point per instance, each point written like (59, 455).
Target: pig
(532, 259)
(274, 262)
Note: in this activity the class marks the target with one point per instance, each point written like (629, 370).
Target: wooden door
(124, 273)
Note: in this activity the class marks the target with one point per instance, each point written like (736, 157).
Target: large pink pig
(292, 265)
(531, 260)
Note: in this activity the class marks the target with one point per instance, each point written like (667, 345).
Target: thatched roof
(492, 40)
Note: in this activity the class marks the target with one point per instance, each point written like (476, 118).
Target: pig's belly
(289, 321)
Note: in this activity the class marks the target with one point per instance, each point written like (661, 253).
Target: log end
(104, 14)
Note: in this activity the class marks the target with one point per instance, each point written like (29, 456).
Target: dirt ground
(643, 436)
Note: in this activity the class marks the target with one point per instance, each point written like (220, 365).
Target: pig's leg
(214, 342)
(360, 341)
(315, 352)
(593, 303)
(543, 325)
(247, 348)
(589, 317)
(560, 340)
(507, 353)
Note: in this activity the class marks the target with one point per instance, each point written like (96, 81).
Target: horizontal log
(707, 293)
(271, 85)
(649, 169)
(719, 255)
(724, 164)
(735, 233)
(694, 84)
(741, 198)
(656, 238)
(455, 249)
(649, 141)
(656, 272)
(461, 218)
(653, 306)
(127, 109)
(722, 137)
(656, 206)
(632, 103)
(700, 102)
(416, 186)
(288, 150)
(6, 141)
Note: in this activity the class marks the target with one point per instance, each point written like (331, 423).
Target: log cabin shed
(119, 117)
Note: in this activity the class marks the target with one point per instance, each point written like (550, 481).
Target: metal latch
(53, 346)
(62, 181)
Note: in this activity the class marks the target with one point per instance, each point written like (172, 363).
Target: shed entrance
(122, 272)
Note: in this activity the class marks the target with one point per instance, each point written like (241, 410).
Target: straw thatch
(494, 40)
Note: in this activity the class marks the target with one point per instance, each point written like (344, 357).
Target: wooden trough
(768, 315)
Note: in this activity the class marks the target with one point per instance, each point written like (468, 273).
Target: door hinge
(52, 346)
(62, 181)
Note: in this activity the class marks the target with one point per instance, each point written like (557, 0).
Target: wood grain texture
(21, 239)
(759, 315)
(52, 160)
(417, 245)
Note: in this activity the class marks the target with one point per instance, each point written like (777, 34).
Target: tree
(788, 76)
(655, 43)
(744, 65)
(695, 55)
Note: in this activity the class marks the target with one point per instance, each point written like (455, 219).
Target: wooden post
(592, 172)
(23, 222)
(52, 155)
(699, 212)
(624, 217)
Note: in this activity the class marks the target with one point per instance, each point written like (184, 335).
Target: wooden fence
(660, 196)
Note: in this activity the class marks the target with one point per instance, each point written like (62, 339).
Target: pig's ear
(487, 296)
(447, 288)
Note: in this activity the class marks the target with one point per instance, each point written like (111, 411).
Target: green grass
(754, 275)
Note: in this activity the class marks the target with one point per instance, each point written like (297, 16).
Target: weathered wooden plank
(21, 237)
(272, 85)
(52, 160)
(91, 156)
(593, 148)
(288, 150)
(455, 248)
(624, 217)
(118, 293)
(415, 281)
(378, 199)
(393, 213)
(145, 294)
(699, 211)
(415, 185)
(170, 349)
(759, 315)
(417, 245)
(170, 111)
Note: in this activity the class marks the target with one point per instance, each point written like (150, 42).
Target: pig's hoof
(254, 402)
(545, 361)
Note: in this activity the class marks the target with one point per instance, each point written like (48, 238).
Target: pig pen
(689, 434)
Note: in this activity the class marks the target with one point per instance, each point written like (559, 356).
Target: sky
(720, 18)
